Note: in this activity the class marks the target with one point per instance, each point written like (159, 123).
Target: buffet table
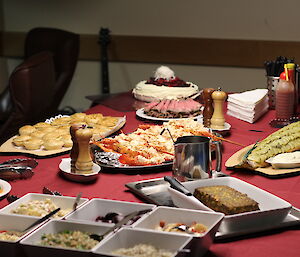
(111, 185)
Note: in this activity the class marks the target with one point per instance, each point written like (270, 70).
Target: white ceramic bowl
(100, 207)
(201, 243)
(272, 208)
(211, 220)
(128, 237)
(65, 168)
(31, 244)
(64, 202)
(9, 222)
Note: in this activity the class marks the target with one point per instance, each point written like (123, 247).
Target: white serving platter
(64, 202)
(31, 244)
(272, 208)
(100, 207)
(140, 113)
(128, 237)
(13, 223)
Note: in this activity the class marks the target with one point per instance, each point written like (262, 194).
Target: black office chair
(64, 46)
(31, 92)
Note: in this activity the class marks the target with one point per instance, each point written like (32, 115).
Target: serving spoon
(28, 162)
(41, 219)
(15, 172)
(17, 168)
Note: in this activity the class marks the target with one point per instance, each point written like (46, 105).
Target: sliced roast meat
(174, 108)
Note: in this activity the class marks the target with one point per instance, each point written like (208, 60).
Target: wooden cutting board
(236, 158)
(9, 147)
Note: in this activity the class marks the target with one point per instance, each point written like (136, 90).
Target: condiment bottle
(285, 96)
(217, 119)
(292, 77)
(84, 163)
(208, 106)
(74, 149)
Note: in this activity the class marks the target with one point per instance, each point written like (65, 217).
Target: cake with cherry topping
(164, 85)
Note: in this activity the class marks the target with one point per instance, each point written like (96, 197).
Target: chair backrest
(64, 46)
(31, 90)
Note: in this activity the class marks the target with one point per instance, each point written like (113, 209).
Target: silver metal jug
(193, 158)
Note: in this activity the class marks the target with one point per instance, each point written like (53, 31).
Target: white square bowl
(64, 202)
(128, 237)
(31, 244)
(201, 244)
(100, 207)
(9, 222)
(272, 208)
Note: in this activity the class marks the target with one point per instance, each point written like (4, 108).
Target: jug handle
(218, 156)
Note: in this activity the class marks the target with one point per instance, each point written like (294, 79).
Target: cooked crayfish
(149, 145)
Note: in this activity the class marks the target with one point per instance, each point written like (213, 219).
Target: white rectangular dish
(31, 244)
(64, 202)
(272, 208)
(128, 237)
(211, 220)
(95, 208)
(13, 223)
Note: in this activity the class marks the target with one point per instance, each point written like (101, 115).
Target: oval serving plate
(140, 113)
(111, 160)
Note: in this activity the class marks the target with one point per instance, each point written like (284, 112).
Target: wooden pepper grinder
(217, 119)
(74, 150)
(84, 163)
(208, 106)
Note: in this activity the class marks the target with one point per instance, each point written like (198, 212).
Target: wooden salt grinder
(218, 120)
(84, 161)
(74, 150)
(208, 106)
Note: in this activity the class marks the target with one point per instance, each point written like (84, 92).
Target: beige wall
(248, 19)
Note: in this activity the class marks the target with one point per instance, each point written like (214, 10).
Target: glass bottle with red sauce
(285, 97)
(292, 77)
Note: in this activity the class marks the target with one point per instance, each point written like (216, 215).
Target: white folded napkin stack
(249, 105)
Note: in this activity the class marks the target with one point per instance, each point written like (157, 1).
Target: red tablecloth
(111, 185)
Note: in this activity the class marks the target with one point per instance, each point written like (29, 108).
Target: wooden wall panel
(193, 51)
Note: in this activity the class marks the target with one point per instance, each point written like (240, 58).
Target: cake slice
(225, 199)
